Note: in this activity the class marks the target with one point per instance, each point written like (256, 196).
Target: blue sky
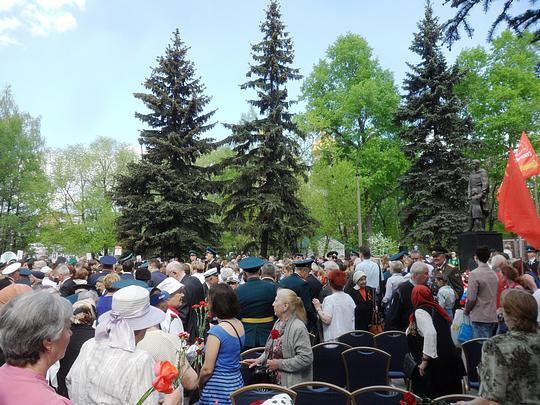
(77, 63)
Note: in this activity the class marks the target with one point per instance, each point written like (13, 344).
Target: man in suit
(297, 282)
(193, 294)
(210, 259)
(256, 298)
(211, 278)
(314, 284)
(401, 307)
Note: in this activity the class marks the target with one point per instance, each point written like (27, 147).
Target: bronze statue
(478, 196)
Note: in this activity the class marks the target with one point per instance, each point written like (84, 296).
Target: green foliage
(81, 217)
(351, 102)
(331, 197)
(23, 184)
(435, 133)
(502, 91)
(165, 210)
(381, 245)
(261, 200)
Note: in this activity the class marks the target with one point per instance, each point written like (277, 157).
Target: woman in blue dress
(220, 373)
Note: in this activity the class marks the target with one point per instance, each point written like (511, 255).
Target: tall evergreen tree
(261, 201)
(163, 196)
(435, 132)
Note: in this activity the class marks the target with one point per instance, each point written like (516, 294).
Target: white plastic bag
(456, 325)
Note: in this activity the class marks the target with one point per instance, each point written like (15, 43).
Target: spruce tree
(261, 200)
(163, 197)
(435, 135)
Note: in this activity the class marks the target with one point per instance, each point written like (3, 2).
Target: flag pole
(536, 193)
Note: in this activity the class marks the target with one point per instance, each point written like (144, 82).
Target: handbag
(409, 365)
(465, 330)
(262, 375)
(376, 326)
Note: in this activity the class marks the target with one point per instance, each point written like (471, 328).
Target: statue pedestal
(469, 241)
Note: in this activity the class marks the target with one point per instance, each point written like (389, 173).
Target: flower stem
(145, 395)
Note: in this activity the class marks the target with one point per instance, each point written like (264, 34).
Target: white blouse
(426, 329)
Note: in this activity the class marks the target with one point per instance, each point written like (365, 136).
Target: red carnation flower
(202, 303)
(409, 398)
(195, 306)
(275, 334)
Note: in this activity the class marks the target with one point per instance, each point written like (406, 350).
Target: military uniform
(257, 314)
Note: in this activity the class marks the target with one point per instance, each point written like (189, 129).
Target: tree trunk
(264, 243)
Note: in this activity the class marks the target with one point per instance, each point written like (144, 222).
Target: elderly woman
(510, 367)
(440, 367)
(337, 310)
(288, 348)
(34, 333)
(364, 299)
(84, 315)
(109, 369)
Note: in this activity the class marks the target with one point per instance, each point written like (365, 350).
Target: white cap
(170, 284)
(210, 272)
(46, 269)
(12, 268)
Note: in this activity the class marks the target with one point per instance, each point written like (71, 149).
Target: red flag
(526, 158)
(516, 207)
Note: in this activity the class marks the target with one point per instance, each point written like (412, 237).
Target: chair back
(320, 393)
(472, 350)
(357, 338)
(249, 354)
(453, 398)
(379, 395)
(393, 342)
(365, 367)
(256, 392)
(328, 364)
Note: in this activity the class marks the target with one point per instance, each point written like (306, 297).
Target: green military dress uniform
(257, 314)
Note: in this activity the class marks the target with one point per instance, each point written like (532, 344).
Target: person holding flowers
(110, 370)
(220, 373)
(288, 348)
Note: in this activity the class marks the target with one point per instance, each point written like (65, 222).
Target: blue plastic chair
(394, 342)
(252, 393)
(328, 364)
(472, 349)
(357, 338)
(365, 367)
(320, 393)
(379, 395)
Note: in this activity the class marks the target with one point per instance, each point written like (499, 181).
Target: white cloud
(7, 5)
(7, 24)
(43, 23)
(40, 17)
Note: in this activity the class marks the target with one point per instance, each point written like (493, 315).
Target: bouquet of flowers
(201, 309)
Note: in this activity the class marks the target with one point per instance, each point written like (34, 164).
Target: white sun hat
(12, 268)
(131, 311)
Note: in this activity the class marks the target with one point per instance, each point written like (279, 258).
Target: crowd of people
(90, 332)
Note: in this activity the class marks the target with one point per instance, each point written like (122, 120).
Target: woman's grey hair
(27, 320)
(498, 261)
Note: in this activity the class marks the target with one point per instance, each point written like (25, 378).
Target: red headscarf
(422, 296)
